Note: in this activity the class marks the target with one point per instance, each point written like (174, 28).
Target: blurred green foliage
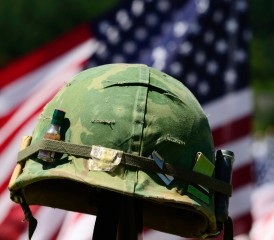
(27, 24)
(262, 62)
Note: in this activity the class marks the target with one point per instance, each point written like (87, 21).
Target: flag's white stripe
(269, 230)
(16, 92)
(241, 149)
(69, 220)
(5, 205)
(239, 203)
(49, 220)
(242, 237)
(262, 196)
(262, 228)
(9, 155)
(228, 108)
(80, 228)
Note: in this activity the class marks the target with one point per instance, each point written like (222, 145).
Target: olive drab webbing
(130, 160)
(132, 131)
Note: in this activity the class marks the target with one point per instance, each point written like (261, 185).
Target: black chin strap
(119, 217)
(28, 216)
(228, 229)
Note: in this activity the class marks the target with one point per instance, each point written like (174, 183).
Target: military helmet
(133, 130)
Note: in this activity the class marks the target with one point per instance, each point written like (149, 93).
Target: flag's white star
(159, 53)
(103, 26)
(151, 20)
(200, 58)
(137, 7)
(185, 48)
(202, 5)
(241, 5)
(102, 51)
(180, 28)
(212, 67)
(221, 46)
(123, 19)
(129, 47)
(230, 77)
(113, 35)
(176, 68)
(231, 25)
(203, 88)
(240, 55)
(191, 79)
(163, 5)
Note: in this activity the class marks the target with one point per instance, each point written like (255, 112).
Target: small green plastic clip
(203, 166)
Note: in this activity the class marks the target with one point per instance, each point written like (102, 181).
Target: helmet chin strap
(228, 229)
(118, 219)
(107, 219)
(28, 216)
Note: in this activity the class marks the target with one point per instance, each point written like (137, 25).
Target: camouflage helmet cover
(137, 110)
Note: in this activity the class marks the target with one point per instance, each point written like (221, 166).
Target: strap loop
(28, 216)
(130, 160)
(228, 229)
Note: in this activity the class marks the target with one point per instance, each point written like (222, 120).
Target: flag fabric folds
(202, 43)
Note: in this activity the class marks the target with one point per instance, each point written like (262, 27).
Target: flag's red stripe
(12, 226)
(43, 55)
(243, 223)
(6, 118)
(232, 131)
(242, 175)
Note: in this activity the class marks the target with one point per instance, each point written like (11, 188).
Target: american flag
(202, 43)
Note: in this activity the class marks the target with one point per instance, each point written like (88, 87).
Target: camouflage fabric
(138, 110)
